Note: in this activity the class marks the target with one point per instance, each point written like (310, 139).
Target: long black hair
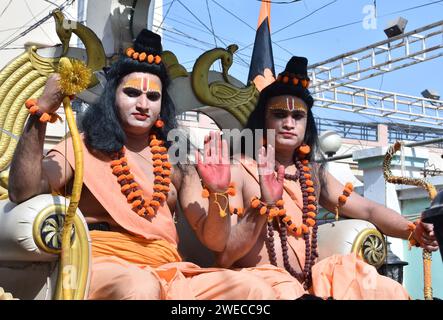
(101, 123)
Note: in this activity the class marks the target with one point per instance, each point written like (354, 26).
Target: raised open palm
(214, 169)
(271, 185)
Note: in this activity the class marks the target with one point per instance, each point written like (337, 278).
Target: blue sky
(187, 32)
(317, 47)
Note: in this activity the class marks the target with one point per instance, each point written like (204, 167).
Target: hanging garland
(131, 189)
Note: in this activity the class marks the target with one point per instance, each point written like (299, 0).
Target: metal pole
(422, 143)
(411, 144)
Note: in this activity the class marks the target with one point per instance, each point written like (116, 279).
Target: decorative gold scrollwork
(371, 246)
(51, 231)
(47, 233)
(373, 250)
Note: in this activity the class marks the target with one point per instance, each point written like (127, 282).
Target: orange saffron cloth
(134, 249)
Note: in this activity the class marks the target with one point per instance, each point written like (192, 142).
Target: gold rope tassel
(432, 192)
(221, 210)
(427, 273)
(75, 77)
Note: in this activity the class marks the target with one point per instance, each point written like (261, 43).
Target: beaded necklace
(309, 214)
(131, 189)
(293, 177)
(284, 221)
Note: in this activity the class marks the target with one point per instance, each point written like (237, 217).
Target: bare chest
(259, 254)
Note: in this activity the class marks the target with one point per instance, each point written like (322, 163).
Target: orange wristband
(349, 187)
(31, 105)
(412, 242)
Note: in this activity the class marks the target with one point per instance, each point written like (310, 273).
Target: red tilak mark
(291, 105)
(145, 84)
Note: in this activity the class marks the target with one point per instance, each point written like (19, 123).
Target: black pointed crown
(147, 47)
(295, 73)
(149, 42)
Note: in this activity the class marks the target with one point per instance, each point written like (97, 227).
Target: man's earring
(303, 150)
(159, 123)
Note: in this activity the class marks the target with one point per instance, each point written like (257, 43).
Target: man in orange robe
(130, 189)
(284, 251)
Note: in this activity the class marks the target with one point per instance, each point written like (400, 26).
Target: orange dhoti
(348, 277)
(340, 277)
(344, 277)
(130, 267)
(143, 262)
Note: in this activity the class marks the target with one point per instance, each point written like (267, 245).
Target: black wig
(101, 123)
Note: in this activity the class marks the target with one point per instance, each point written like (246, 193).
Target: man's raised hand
(214, 168)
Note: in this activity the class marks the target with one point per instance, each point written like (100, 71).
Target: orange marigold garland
(285, 221)
(277, 211)
(310, 209)
(348, 189)
(143, 56)
(293, 79)
(131, 189)
(31, 105)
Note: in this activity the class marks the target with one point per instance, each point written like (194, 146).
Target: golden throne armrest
(30, 235)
